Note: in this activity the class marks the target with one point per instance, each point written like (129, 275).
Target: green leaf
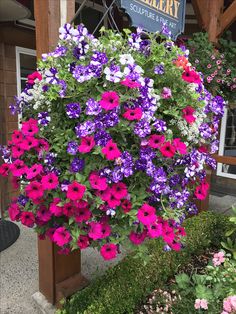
(182, 280)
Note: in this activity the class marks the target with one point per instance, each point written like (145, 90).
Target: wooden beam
(200, 8)
(228, 160)
(215, 11)
(228, 17)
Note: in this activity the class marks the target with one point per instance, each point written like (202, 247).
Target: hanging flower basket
(113, 143)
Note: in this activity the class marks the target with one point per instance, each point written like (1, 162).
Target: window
(228, 142)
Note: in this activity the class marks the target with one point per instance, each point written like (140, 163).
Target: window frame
(219, 170)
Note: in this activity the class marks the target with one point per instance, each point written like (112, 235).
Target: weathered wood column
(59, 275)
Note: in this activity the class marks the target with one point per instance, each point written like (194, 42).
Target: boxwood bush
(127, 284)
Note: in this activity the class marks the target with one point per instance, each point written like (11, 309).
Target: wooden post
(59, 275)
(215, 10)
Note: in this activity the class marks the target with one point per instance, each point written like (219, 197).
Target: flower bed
(127, 284)
(113, 143)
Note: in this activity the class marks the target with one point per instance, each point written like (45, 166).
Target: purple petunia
(44, 118)
(142, 128)
(73, 110)
(85, 128)
(77, 165)
(72, 148)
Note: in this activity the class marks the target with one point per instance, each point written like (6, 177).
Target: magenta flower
(168, 233)
(201, 191)
(82, 214)
(97, 182)
(166, 93)
(44, 214)
(137, 238)
(28, 143)
(147, 214)
(27, 219)
(155, 230)
(35, 170)
(17, 137)
(68, 209)
(75, 191)
(30, 127)
(191, 76)
(108, 251)
(129, 83)
(188, 114)
(34, 190)
(119, 190)
(50, 181)
(168, 150)
(110, 198)
(17, 151)
(61, 236)
(110, 100)
(55, 209)
(83, 242)
(34, 76)
(126, 205)
(86, 145)
(155, 141)
(111, 151)
(14, 211)
(95, 231)
(133, 114)
(4, 170)
(180, 146)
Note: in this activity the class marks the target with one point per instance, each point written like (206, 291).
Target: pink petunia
(201, 304)
(110, 100)
(83, 242)
(28, 143)
(191, 76)
(30, 127)
(82, 214)
(110, 198)
(168, 150)
(168, 233)
(42, 146)
(126, 205)
(27, 219)
(43, 213)
(166, 93)
(55, 209)
(180, 146)
(18, 168)
(188, 114)
(133, 114)
(86, 145)
(33, 76)
(119, 190)
(61, 236)
(75, 191)
(33, 171)
(155, 230)
(17, 137)
(97, 182)
(147, 214)
(218, 259)
(129, 83)
(34, 190)
(155, 141)
(201, 191)
(111, 151)
(137, 238)
(17, 151)
(14, 211)
(68, 209)
(108, 251)
(50, 181)
(95, 231)
(4, 170)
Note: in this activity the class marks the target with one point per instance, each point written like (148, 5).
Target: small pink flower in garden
(42, 145)
(110, 100)
(95, 231)
(188, 114)
(82, 214)
(176, 246)
(168, 233)
(201, 191)
(68, 209)
(17, 151)
(218, 258)
(34, 190)
(191, 76)
(109, 251)
(119, 190)
(33, 171)
(166, 93)
(14, 211)
(129, 83)
(155, 230)
(126, 205)
(137, 238)
(209, 66)
(86, 145)
(147, 214)
(155, 141)
(167, 150)
(201, 304)
(111, 151)
(43, 213)
(97, 182)
(27, 219)
(209, 79)
(28, 143)
(110, 198)
(17, 137)
(33, 76)
(4, 170)
(75, 191)
(50, 181)
(30, 127)
(18, 168)
(229, 304)
(180, 146)
(83, 242)
(61, 236)
(55, 209)
(133, 114)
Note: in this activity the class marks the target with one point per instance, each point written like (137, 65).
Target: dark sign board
(152, 14)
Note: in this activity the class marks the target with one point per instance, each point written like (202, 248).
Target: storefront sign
(152, 14)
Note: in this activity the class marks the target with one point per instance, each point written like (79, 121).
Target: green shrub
(127, 284)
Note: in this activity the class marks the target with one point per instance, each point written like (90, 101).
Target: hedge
(128, 283)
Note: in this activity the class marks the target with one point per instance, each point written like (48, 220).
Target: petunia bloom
(86, 145)
(191, 76)
(27, 219)
(14, 211)
(61, 236)
(133, 114)
(110, 100)
(83, 242)
(97, 182)
(75, 191)
(155, 141)
(188, 114)
(130, 83)
(168, 150)
(30, 127)
(34, 190)
(111, 151)
(147, 214)
(108, 251)
(50, 181)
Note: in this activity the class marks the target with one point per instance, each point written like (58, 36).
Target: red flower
(17, 136)
(188, 114)
(87, 144)
(155, 230)
(50, 181)
(126, 205)
(202, 149)
(18, 168)
(191, 76)
(34, 190)
(180, 146)
(4, 170)
(68, 209)
(129, 83)
(137, 238)
(83, 242)
(201, 191)
(30, 127)
(97, 182)
(33, 76)
(82, 214)
(147, 215)
(167, 150)
(155, 141)
(34, 171)
(14, 212)
(75, 191)
(109, 100)
(61, 236)
(111, 151)
(27, 219)
(119, 190)
(133, 114)
(108, 251)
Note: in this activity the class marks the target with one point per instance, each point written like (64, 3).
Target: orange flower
(181, 62)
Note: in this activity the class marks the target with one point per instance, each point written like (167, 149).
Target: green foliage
(230, 243)
(124, 286)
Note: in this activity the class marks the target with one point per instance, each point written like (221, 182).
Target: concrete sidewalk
(19, 266)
